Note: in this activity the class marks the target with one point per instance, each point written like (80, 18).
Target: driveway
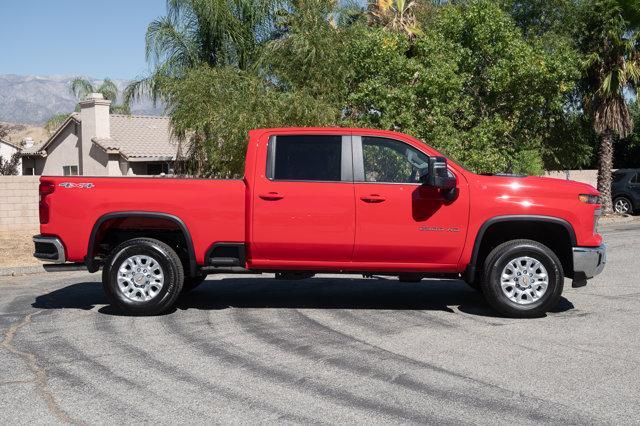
(246, 349)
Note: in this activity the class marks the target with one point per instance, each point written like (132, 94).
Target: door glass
(308, 158)
(391, 161)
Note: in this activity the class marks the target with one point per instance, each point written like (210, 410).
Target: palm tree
(82, 87)
(195, 32)
(397, 15)
(611, 42)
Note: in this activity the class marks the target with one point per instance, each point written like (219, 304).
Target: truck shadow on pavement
(317, 293)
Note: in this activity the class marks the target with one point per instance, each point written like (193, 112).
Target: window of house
(306, 158)
(157, 168)
(391, 161)
(28, 171)
(70, 170)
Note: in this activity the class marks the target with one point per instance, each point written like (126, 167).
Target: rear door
(303, 202)
(399, 220)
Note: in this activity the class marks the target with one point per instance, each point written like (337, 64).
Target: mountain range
(34, 99)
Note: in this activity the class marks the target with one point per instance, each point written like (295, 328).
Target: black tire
(624, 199)
(498, 259)
(192, 282)
(171, 268)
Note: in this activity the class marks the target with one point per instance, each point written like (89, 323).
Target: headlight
(589, 199)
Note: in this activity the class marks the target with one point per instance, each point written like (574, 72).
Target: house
(96, 143)
(7, 150)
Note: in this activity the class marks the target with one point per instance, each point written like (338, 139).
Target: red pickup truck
(312, 200)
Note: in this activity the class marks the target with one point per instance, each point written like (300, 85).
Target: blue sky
(95, 38)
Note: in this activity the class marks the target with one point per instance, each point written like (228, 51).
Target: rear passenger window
(305, 158)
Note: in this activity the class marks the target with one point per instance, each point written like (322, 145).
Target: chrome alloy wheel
(622, 206)
(140, 278)
(524, 280)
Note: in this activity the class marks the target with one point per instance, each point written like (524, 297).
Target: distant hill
(33, 99)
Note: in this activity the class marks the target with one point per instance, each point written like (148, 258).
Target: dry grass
(17, 249)
(18, 132)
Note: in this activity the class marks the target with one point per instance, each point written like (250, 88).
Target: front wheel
(522, 279)
(143, 276)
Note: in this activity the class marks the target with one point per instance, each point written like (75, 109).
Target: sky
(91, 38)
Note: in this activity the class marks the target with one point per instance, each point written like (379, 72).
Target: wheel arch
(90, 258)
(513, 225)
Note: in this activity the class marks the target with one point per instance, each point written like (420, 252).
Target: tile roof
(33, 150)
(136, 136)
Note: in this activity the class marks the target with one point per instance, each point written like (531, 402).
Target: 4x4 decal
(86, 185)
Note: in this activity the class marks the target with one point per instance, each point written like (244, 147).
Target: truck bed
(212, 210)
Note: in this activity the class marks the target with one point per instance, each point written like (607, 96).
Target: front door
(303, 208)
(399, 220)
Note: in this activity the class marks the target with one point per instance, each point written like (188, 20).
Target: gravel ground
(245, 349)
(17, 249)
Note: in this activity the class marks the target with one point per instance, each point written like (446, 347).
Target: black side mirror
(439, 176)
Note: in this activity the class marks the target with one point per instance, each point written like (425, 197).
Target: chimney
(27, 142)
(94, 111)
(94, 117)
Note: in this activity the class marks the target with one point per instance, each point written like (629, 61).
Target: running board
(61, 267)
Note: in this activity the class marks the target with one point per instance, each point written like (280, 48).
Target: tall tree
(608, 36)
(82, 87)
(203, 32)
(10, 167)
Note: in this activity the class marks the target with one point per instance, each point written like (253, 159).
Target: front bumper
(49, 249)
(588, 261)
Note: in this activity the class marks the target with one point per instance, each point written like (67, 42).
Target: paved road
(247, 349)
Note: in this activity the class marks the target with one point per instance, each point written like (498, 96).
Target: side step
(226, 255)
(61, 267)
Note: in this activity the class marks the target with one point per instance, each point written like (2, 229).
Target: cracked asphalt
(248, 349)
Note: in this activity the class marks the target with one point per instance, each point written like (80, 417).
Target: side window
(391, 161)
(305, 158)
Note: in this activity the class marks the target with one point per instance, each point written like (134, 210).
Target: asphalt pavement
(248, 349)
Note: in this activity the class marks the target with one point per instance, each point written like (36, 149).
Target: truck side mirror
(439, 177)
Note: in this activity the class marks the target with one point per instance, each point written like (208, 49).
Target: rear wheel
(522, 279)
(623, 205)
(143, 276)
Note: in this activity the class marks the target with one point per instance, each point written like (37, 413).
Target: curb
(21, 270)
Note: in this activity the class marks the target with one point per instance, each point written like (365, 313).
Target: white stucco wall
(64, 151)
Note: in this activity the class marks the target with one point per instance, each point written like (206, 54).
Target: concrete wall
(19, 204)
(586, 176)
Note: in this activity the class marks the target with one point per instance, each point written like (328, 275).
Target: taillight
(45, 189)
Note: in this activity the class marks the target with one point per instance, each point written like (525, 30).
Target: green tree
(202, 32)
(10, 167)
(470, 85)
(608, 36)
(82, 87)
(213, 109)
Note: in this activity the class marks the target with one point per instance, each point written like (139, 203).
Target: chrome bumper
(589, 261)
(49, 248)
